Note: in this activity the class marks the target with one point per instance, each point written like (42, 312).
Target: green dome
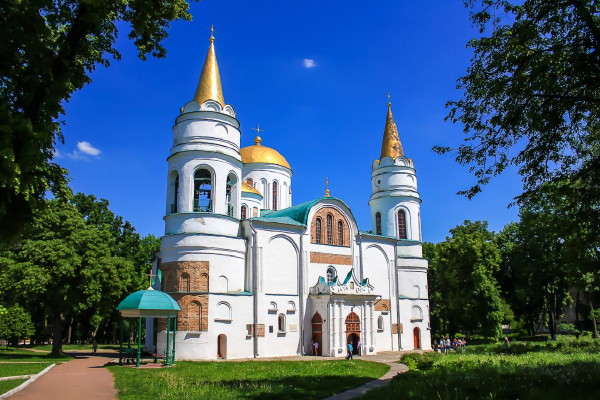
(148, 303)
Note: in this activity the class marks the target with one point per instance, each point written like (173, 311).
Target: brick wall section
(260, 331)
(327, 258)
(337, 216)
(395, 328)
(381, 304)
(198, 272)
(193, 315)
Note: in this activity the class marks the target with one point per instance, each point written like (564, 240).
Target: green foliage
(248, 380)
(5, 386)
(13, 369)
(49, 50)
(15, 325)
(462, 272)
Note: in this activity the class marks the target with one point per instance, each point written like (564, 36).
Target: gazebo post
(174, 336)
(139, 340)
(121, 340)
(167, 346)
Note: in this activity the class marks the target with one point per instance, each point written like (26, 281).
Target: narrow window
(281, 323)
(244, 211)
(329, 229)
(275, 191)
(331, 274)
(255, 212)
(175, 193)
(378, 223)
(402, 224)
(380, 323)
(318, 230)
(228, 190)
(340, 233)
(184, 282)
(202, 191)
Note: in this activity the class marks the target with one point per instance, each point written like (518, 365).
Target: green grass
(245, 380)
(524, 371)
(77, 347)
(5, 386)
(20, 355)
(21, 369)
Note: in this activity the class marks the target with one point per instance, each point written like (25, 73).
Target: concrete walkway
(81, 378)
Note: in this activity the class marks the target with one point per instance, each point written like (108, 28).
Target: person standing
(359, 348)
(316, 348)
(350, 350)
(94, 347)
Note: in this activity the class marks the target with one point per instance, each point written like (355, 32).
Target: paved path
(81, 378)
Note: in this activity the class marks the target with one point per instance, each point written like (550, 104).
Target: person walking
(94, 347)
(350, 350)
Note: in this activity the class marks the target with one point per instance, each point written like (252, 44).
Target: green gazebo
(149, 303)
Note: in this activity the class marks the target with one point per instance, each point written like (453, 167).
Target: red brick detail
(395, 328)
(337, 216)
(382, 305)
(185, 276)
(260, 330)
(327, 258)
(193, 315)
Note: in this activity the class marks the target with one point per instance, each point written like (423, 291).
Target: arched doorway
(417, 338)
(353, 331)
(222, 347)
(317, 333)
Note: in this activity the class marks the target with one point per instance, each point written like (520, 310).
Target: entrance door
(222, 346)
(317, 334)
(353, 331)
(417, 338)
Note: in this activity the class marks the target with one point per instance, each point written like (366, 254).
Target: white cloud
(87, 148)
(309, 63)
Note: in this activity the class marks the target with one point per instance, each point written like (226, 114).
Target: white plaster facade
(273, 284)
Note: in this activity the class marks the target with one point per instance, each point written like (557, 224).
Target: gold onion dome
(246, 187)
(209, 87)
(391, 146)
(262, 154)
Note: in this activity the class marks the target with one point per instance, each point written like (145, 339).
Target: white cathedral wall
(263, 176)
(277, 343)
(215, 132)
(280, 262)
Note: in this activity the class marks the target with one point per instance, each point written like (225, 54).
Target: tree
(68, 266)
(15, 325)
(466, 264)
(49, 48)
(532, 93)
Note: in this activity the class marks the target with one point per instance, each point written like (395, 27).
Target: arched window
(272, 307)
(380, 323)
(402, 224)
(184, 282)
(291, 307)
(275, 192)
(329, 229)
(203, 283)
(318, 229)
(255, 212)
(281, 323)
(202, 191)
(230, 198)
(331, 274)
(340, 238)
(378, 223)
(244, 212)
(175, 193)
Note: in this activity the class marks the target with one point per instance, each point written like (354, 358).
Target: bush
(420, 361)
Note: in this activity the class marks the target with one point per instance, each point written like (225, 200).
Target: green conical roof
(148, 303)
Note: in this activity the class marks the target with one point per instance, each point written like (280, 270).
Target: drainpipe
(301, 260)
(254, 268)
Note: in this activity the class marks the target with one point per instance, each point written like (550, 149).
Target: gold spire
(327, 193)
(209, 86)
(391, 146)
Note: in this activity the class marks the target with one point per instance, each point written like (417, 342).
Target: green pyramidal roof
(148, 303)
(297, 213)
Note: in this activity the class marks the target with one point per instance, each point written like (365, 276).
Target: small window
(255, 212)
(340, 233)
(272, 307)
(291, 307)
(331, 274)
(402, 225)
(244, 212)
(318, 228)
(275, 192)
(329, 229)
(380, 323)
(378, 223)
(281, 323)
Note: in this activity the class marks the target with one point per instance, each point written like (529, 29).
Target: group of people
(445, 344)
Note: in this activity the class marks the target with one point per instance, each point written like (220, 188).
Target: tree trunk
(552, 316)
(69, 330)
(57, 331)
(594, 322)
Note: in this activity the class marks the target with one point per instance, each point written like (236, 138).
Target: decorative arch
(223, 284)
(184, 282)
(223, 311)
(291, 307)
(352, 322)
(331, 274)
(378, 247)
(325, 229)
(416, 313)
(194, 316)
(203, 283)
(289, 239)
(273, 307)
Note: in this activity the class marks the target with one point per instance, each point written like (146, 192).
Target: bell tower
(395, 203)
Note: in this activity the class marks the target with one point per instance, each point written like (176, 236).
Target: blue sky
(315, 75)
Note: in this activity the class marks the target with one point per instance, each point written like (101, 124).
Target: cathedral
(256, 275)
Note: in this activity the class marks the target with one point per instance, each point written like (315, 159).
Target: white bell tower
(395, 203)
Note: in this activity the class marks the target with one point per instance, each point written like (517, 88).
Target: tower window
(378, 223)
(244, 212)
(318, 230)
(340, 237)
(275, 191)
(402, 224)
(202, 191)
(329, 229)
(175, 193)
(228, 194)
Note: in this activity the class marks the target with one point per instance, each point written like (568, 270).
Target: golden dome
(209, 87)
(262, 154)
(246, 187)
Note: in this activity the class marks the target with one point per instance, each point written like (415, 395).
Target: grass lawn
(21, 369)
(79, 347)
(522, 372)
(5, 386)
(19, 355)
(245, 380)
